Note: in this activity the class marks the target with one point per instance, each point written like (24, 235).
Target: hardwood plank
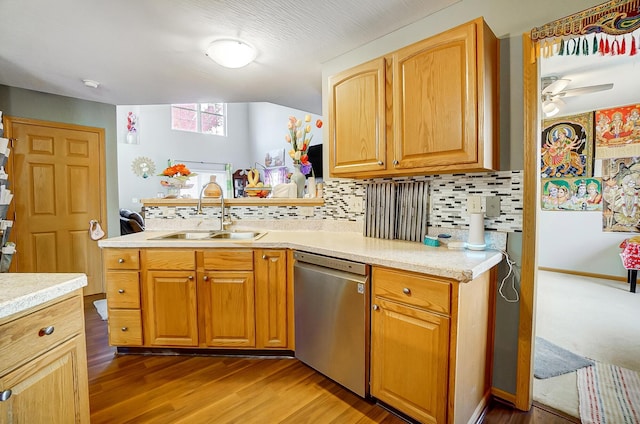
(206, 389)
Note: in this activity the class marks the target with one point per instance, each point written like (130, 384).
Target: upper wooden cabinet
(430, 107)
(357, 121)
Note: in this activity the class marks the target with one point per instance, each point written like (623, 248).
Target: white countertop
(21, 291)
(462, 265)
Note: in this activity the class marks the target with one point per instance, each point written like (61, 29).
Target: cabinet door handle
(124, 328)
(375, 307)
(265, 257)
(191, 277)
(380, 163)
(395, 162)
(121, 291)
(205, 278)
(406, 290)
(46, 331)
(120, 260)
(5, 395)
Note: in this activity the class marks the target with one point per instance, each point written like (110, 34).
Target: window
(205, 118)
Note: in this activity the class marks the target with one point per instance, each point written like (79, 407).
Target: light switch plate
(492, 206)
(474, 204)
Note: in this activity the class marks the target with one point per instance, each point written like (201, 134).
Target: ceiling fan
(555, 88)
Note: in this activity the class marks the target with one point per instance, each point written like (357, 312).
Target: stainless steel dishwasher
(331, 303)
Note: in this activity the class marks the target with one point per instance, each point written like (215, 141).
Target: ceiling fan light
(550, 108)
(231, 53)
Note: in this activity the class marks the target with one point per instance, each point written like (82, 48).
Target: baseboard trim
(584, 274)
(504, 396)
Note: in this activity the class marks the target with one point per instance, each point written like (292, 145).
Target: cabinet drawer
(121, 259)
(123, 289)
(125, 327)
(169, 259)
(24, 338)
(412, 289)
(228, 259)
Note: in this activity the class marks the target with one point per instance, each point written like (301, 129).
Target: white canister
(311, 186)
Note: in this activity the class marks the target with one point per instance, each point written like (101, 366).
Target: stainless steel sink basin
(243, 235)
(212, 235)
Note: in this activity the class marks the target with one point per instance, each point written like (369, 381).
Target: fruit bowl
(258, 191)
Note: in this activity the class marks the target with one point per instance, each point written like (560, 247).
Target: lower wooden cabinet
(430, 345)
(206, 298)
(227, 298)
(43, 376)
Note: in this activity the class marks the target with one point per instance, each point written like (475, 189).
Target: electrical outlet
(306, 211)
(135, 200)
(355, 204)
(474, 204)
(493, 206)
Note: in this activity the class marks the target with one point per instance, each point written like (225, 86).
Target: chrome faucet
(223, 223)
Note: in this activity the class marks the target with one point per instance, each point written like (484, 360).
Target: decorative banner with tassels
(606, 29)
(597, 44)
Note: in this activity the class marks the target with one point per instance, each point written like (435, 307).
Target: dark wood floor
(197, 389)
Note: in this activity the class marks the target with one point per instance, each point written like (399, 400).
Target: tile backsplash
(345, 203)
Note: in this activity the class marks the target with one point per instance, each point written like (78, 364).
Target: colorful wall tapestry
(618, 132)
(571, 194)
(566, 149)
(621, 187)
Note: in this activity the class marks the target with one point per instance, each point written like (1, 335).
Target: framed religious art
(567, 145)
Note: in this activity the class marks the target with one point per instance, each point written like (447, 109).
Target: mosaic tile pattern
(345, 200)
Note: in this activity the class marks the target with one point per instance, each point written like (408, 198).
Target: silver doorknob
(205, 278)
(375, 307)
(191, 277)
(121, 291)
(120, 261)
(46, 331)
(395, 162)
(406, 290)
(5, 395)
(124, 328)
(380, 163)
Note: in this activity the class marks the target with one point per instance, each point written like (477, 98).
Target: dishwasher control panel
(329, 262)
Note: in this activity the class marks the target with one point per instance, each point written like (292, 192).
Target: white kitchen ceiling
(152, 51)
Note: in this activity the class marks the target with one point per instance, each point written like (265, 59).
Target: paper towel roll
(476, 232)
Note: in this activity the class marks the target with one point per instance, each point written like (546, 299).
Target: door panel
(58, 184)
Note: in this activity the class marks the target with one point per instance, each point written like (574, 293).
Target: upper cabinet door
(357, 121)
(439, 94)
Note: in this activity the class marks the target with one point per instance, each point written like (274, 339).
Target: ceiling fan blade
(556, 86)
(584, 90)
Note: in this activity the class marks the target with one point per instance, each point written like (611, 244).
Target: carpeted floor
(591, 317)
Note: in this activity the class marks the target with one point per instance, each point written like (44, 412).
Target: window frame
(199, 114)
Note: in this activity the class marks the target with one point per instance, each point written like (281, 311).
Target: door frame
(8, 123)
(526, 330)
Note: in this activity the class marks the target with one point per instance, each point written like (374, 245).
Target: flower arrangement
(300, 137)
(178, 173)
(132, 122)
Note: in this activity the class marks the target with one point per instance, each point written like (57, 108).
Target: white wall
(252, 130)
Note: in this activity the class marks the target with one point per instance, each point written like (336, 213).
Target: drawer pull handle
(191, 277)
(375, 307)
(5, 395)
(265, 257)
(406, 290)
(205, 278)
(121, 291)
(120, 260)
(46, 331)
(124, 328)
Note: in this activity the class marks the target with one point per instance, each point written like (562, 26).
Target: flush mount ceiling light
(231, 53)
(91, 83)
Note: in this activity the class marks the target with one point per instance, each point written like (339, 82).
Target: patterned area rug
(101, 307)
(608, 395)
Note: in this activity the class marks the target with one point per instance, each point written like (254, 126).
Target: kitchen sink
(243, 235)
(212, 235)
